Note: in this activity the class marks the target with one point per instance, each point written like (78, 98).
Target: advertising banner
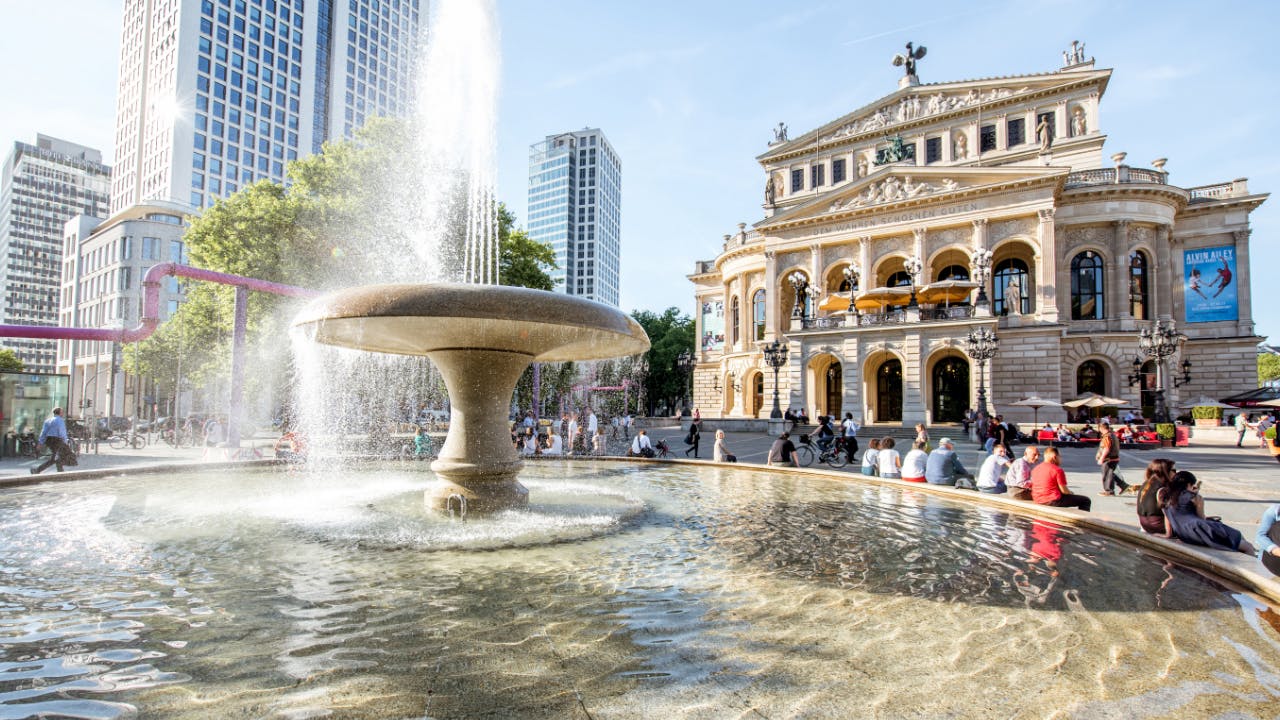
(713, 326)
(1210, 291)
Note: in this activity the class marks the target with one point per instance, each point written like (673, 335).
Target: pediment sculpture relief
(915, 106)
(893, 189)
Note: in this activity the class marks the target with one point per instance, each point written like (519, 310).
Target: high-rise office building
(575, 202)
(42, 187)
(216, 94)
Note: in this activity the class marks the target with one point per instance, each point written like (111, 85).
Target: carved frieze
(916, 106)
(1094, 235)
(791, 259)
(939, 239)
(836, 253)
(1141, 235)
(893, 189)
(886, 246)
(1002, 229)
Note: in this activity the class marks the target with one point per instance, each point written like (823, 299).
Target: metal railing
(897, 316)
(1113, 176)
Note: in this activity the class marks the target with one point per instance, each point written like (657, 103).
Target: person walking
(53, 436)
(1108, 457)
(695, 434)
(571, 435)
(850, 435)
(1049, 484)
(1242, 427)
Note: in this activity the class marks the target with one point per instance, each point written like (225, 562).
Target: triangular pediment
(893, 186)
(918, 104)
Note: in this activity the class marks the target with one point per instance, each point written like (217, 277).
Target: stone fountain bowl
(481, 337)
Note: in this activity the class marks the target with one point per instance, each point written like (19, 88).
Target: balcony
(893, 316)
(1115, 176)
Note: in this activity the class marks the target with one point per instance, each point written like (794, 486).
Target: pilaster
(1116, 289)
(1046, 264)
(1244, 300)
(772, 304)
(1163, 276)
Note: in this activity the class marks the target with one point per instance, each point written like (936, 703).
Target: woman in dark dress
(1184, 515)
(1150, 513)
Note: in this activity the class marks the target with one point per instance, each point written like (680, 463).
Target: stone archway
(887, 390)
(826, 385)
(753, 393)
(949, 382)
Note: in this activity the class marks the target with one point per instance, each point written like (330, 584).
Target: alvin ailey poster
(1210, 290)
(712, 326)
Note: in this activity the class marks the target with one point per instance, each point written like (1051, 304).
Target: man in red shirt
(1049, 484)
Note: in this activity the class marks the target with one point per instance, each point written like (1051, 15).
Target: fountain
(481, 338)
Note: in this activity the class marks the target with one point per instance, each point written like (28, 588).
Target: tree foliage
(9, 361)
(1268, 368)
(670, 334)
(344, 218)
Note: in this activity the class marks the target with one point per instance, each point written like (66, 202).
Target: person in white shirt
(530, 446)
(593, 423)
(571, 439)
(913, 464)
(989, 474)
(555, 446)
(851, 428)
(889, 460)
(641, 446)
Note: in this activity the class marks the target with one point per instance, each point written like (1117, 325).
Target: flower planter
(1208, 422)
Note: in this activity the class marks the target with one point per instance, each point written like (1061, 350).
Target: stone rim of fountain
(481, 338)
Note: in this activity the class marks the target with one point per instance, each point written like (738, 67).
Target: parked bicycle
(27, 445)
(130, 439)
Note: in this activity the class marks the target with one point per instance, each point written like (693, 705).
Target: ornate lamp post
(684, 362)
(775, 355)
(981, 264)
(1159, 342)
(800, 282)
(851, 275)
(914, 267)
(981, 345)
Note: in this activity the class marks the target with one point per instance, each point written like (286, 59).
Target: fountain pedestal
(478, 460)
(481, 337)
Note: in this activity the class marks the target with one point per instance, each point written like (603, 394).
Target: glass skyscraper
(216, 94)
(43, 186)
(575, 202)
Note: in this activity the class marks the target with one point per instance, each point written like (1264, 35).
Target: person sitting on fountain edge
(943, 467)
(783, 451)
(641, 446)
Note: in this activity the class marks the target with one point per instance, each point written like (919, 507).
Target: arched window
(757, 314)
(1086, 286)
(899, 279)
(735, 319)
(1008, 271)
(953, 272)
(1139, 280)
(1091, 377)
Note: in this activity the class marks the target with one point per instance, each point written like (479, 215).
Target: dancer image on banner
(1223, 279)
(1193, 284)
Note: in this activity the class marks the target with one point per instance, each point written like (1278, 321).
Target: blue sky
(688, 93)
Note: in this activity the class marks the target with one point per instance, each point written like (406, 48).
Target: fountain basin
(481, 338)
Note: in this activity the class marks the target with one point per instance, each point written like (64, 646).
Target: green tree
(522, 261)
(9, 361)
(670, 334)
(1268, 368)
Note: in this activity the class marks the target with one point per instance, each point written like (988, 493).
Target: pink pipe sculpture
(151, 318)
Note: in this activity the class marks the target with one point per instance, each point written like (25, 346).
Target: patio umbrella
(1268, 403)
(946, 291)
(1205, 402)
(879, 298)
(835, 302)
(1035, 402)
(1094, 401)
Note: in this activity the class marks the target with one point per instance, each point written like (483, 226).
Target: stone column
(1061, 122)
(979, 242)
(1115, 279)
(1161, 282)
(913, 399)
(917, 247)
(1244, 300)
(772, 301)
(815, 267)
(1046, 263)
(867, 281)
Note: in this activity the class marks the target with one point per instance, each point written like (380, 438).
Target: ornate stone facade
(1080, 254)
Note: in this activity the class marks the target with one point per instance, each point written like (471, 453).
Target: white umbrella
(1035, 402)
(1095, 401)
(1268, 403)
(1206, 402)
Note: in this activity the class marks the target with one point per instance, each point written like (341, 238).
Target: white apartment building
(42, 186)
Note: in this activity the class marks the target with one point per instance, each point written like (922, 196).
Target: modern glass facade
(217, 94)
(42, 187)
(575, 202)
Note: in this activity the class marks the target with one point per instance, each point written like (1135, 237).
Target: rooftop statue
(909, 59)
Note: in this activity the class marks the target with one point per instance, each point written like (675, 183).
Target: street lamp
(851, 278)
(981, 264)
(684, 361)
(775, 355)
(1159, 342)
(981, 345)
(800, 282)
(914, 266)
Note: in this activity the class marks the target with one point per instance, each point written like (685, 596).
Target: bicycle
(837, 456)
(136, 440)
(27, 445)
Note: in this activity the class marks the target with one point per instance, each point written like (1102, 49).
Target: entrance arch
(753, 394)
(950, 384)
(888, 384)
(826, 383)
(835, 390)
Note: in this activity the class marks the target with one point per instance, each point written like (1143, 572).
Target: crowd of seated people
(1129, 434)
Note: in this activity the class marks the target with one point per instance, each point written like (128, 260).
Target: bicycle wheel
(838, 457)
(119, 442)
(27, 448)
(139, 442)
(804, 455)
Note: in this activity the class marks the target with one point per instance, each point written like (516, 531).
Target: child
(597, 442)
(869, 457)
(422, 445)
